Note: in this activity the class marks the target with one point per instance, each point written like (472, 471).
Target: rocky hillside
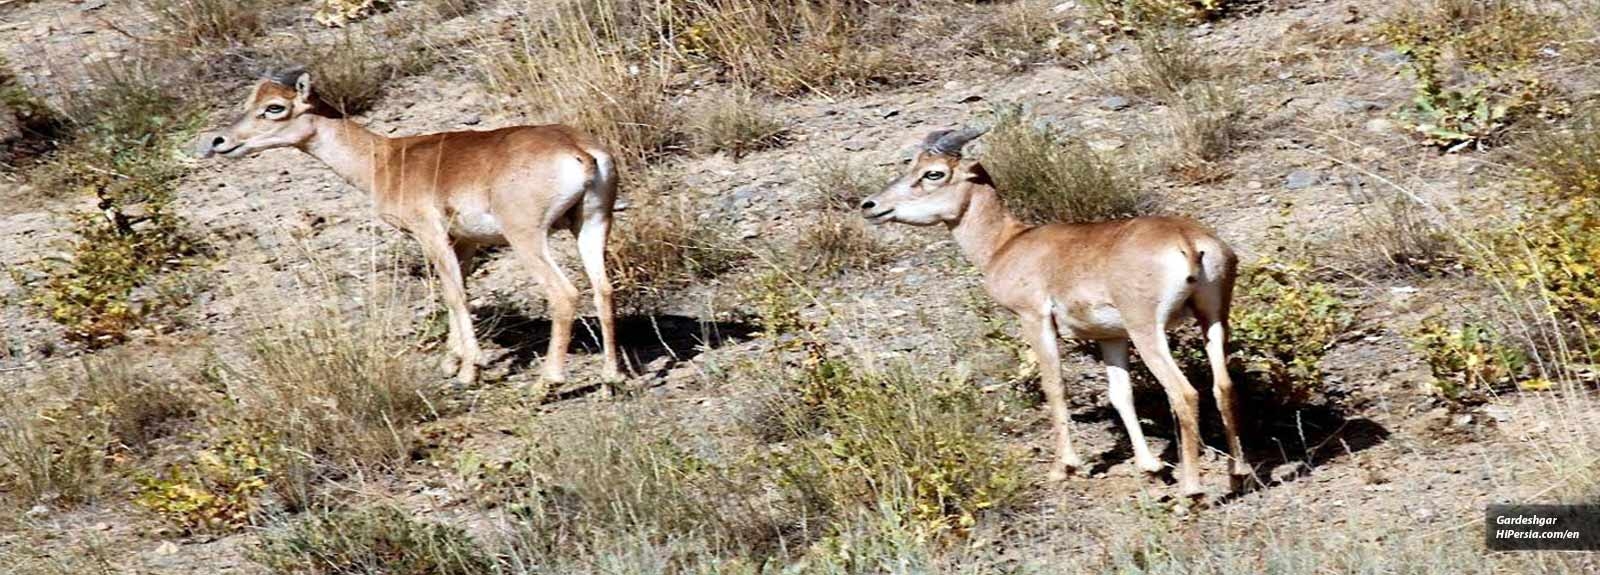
(229, 366)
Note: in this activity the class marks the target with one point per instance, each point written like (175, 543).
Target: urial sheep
(455, 192)
(1110, 282)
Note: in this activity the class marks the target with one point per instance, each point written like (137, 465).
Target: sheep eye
(933, 176)
(275, 109)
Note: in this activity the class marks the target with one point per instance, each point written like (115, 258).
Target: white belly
(1089, 321)
(477, 225)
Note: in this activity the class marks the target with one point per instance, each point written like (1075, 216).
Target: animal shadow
(656, 342)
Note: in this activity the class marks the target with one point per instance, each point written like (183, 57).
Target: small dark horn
(933, 139)
(950, 143)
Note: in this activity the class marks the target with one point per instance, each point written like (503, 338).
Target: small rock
(1105, 145)
(1064, 7)
(1263, 199)
(1356, 105)
(1424, 514)
(472, 120)
(1392, 57)
(1289, 471)
(1301, 179)
(891, 114)
(38, 511)
(167, 548)
(970, 99)
(1114, 103)
(1253, 184)
(1379, 125)
(1462, 421)
(1499, 413)
(102, 526)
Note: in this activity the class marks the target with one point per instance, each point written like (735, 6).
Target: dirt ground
(1380, 455)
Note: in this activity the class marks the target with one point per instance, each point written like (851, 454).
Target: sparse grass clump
(1168, 62)
(863, 443)
(195, 23)
(838, 241)
(735, 123)
(611, 485)
(660, 245)
(841, 182)
(790, 47)
(1024, 33)
(1393, 237)
(351, 73)
(32, 127)
(1205, 122)
(330, 394)
(1472, 62)
(1047, 176)
(371, 541)
(60, 442)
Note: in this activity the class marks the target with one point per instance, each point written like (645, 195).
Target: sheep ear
(302, 88)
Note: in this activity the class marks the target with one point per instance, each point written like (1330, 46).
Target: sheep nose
(869, 204)
(218, 141)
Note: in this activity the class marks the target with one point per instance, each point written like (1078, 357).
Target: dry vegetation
(307, 435)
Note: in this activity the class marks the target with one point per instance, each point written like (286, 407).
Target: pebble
(1499, 413)
(1301, 179)
(1105, 145)
(1114, 103)
(1379, 125)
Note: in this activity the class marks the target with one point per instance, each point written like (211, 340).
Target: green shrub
(216, 491)
(372, 541)
(1283, 323)
(1046, 176)
(1470, 60)
(1469, 362)
(120, 271)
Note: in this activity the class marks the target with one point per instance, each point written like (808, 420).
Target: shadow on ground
(1306, 436)
(653, 342)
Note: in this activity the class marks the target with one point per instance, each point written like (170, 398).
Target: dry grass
(1025, 33)
(578, 69)
(352, 72)
(58, 442)
(1205, 122)
(734, 122)
(660, 245)
(841, 181)
(1393, 237)
(1047, 176)
(372, 540)
(838, 241)
(328, 392)
(1168, 61)
(197, 23)
(795, 46)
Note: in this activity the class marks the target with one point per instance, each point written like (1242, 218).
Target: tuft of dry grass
(1047, 176)
(1026, 33)
(1205, 121)
(328, 392)
(734, 122)
(1168, 61)
(578, 69)
(840, 182)
(197, 23)
(660, 245)
(791, 47)
(352, 72)
(1394, 237)
(371, 540)
(838, 241)
(59, 442)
